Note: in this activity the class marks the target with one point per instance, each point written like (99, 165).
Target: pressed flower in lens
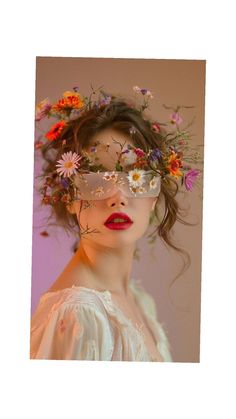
(98, 192)
(154, 182)
(55, 131)
(68, 164)
(138, 189)
(110, 176)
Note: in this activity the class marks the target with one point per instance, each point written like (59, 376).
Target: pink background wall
(172, 82)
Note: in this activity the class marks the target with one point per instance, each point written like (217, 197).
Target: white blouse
(85, 324)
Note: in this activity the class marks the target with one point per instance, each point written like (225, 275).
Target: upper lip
(122, 215)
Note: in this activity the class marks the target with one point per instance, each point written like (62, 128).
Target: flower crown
(175, 162)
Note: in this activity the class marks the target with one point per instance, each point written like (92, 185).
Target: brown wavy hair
(121, 116)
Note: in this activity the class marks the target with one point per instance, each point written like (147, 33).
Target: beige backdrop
(172, 82)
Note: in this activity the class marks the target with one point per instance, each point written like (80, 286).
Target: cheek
(145, 207)
(90, 213)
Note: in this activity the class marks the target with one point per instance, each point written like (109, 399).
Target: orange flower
(69, 101)
(55, 131)
(174, 165)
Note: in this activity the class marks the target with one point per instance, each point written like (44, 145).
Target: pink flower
(139, 152)
(68, 164)
(156, 127)
(190, 178)
(176, 118)
(42, 109)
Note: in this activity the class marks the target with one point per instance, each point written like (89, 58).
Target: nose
(118, 199)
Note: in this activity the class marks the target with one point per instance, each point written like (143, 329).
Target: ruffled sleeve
(72, 331)
(149, 307)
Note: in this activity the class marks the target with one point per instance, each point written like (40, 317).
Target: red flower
(69, 101)
(44, 233)
(38, 144)
(65, 198)
(174, 165)
(156, 127)
(46, 200)
(140, 153)
(55, 199)
(55, 131)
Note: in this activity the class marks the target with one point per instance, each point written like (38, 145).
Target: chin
(119, 241)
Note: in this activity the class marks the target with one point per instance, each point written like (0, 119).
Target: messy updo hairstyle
(123, 117)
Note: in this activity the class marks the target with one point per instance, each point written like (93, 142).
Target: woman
(94, 310)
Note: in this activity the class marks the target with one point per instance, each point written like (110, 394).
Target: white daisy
(68, 164)
(136, 177)
(154, 182)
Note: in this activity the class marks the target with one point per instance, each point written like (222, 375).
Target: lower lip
(118, 226)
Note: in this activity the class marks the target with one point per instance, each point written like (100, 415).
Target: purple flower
(96, 105)
(125, 151)
(146, 92)
(190, 178)
(105, 101)
(155, 154)
(65, 183)
(143, 91)
(176, 118)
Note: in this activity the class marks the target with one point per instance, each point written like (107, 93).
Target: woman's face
(92, 214)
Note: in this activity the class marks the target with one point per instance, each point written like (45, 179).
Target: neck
(105, 268)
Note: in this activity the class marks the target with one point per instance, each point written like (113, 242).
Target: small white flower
(129, 158)
(136, 89)
(136, 177)
(132, 130)
(154, 182)
(148, 93)
(110, 176)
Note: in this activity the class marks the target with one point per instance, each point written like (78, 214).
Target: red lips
(122, 215)
(120, 225)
